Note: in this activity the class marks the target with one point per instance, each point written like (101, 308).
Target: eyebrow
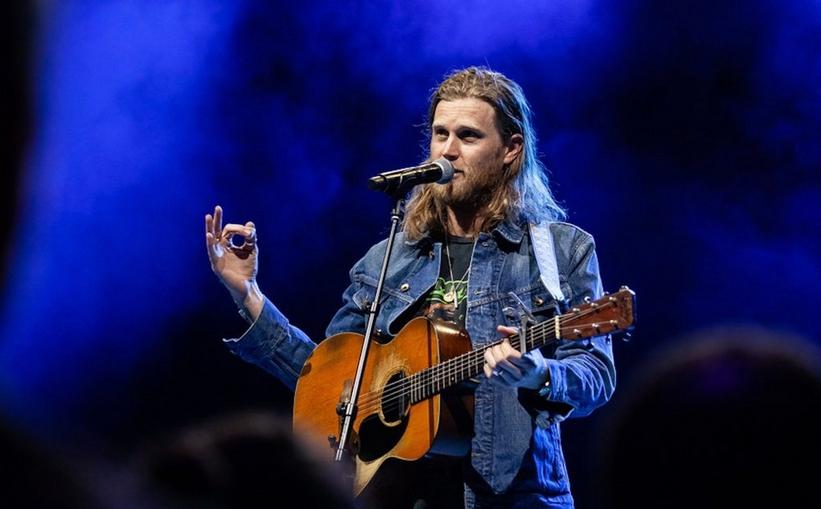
(463, 127)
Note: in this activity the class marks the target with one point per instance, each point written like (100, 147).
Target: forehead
(469, 112)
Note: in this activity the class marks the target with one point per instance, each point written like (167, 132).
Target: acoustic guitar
(409, 402)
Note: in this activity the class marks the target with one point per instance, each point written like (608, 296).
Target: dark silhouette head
(31, 475)
(240, 461)
(729, 417)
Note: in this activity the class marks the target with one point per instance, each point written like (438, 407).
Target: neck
(464, 222)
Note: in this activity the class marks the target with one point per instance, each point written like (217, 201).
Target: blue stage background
(683, 136)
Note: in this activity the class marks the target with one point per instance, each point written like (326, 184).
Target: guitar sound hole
(376, 439)
(378, 434)
(394, 399)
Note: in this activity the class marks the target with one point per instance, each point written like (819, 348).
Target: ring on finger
(248, 243)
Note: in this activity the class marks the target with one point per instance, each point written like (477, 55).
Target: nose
(450, 150)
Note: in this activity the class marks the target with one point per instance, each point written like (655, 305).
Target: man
(463, 249)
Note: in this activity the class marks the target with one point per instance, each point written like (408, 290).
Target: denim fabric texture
(516, 451)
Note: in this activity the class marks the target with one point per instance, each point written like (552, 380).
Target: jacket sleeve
(274, 345)
(280, 348)
(582, 376)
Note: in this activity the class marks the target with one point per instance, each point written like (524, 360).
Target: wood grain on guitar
(400, 415)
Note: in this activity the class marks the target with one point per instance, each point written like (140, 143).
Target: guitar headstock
(611, 313)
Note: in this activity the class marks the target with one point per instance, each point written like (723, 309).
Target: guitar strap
(543, 248)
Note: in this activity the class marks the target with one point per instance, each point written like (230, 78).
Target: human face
(464, 132)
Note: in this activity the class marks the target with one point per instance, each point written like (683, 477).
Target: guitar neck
(611, 313)
(431, 381)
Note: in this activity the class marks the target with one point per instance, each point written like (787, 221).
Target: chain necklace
(450, 295)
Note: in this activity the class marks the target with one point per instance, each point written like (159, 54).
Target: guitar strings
(427, 379)
(430, 377)
(425, 383)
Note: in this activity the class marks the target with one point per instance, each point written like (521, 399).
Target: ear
(514, 148)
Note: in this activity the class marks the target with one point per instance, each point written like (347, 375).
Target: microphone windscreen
(447, 170)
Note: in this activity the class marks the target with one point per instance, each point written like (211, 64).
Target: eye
(440, 134)
(468, 135)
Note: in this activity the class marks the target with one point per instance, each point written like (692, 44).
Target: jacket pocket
(538, 301)
(390, 308)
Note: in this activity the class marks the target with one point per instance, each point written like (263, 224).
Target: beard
(473, 189)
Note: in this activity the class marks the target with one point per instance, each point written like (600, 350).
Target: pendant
(449, 296)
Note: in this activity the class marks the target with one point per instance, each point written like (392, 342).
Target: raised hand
(234, 263)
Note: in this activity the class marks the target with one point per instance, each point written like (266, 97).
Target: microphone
(439, 171)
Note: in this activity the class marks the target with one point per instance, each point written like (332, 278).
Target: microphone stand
(351, 408)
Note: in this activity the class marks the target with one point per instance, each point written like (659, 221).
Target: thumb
(505, 331)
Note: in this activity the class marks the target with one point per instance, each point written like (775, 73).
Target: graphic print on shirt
(447, 299)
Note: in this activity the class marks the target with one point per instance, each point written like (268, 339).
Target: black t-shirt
(448, 298)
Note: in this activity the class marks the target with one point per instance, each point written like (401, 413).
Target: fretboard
(428, 382)
(611, 313)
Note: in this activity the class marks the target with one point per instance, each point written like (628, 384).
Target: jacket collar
(510, 229)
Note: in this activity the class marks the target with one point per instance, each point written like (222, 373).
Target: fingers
(506, 331)
(217, 221)
(216, 234)
(499, 363)
(488, 370)
(213, 225)
(211, 243)
(248, 233)
(506, 365)
(251, 238)
(502, 353)
(230, 229)
(506, 351)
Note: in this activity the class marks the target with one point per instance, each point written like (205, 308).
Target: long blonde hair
(524, 193)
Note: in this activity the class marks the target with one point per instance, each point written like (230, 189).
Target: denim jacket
(516, 449)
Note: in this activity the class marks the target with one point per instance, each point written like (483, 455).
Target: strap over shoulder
(543, 247)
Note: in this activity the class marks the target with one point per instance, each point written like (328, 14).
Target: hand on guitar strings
(507, 366)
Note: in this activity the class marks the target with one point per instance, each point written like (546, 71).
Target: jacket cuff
(262, 338)
(546, 404)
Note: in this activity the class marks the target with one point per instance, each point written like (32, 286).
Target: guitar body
(387, 424)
